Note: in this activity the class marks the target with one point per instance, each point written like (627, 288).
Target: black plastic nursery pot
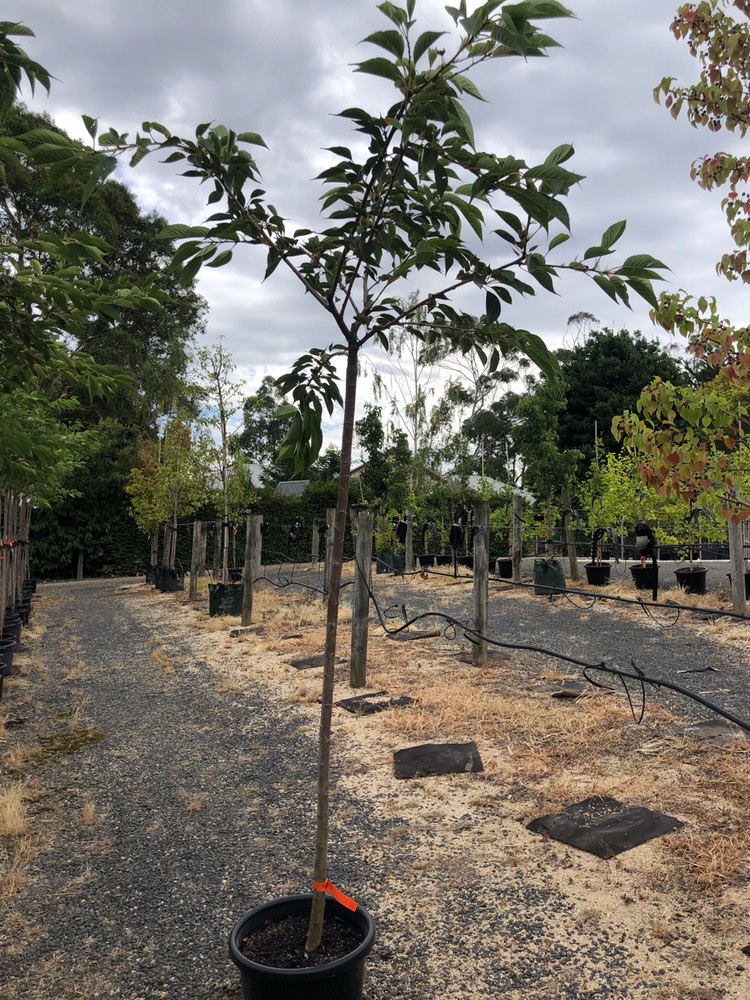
(390, 562)
(747, 584)
(504, 567)
(548, 573)
(12, 628)
(692, 579)
(170, 580)
(29, 586)
(341, 979)
(7, 646)
(645, 577)
(225, 599)
(597, 574)
(442, 560)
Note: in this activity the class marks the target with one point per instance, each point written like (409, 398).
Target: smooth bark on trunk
(320, 873)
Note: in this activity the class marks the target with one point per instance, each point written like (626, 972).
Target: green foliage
(170, 481)
(605, 375)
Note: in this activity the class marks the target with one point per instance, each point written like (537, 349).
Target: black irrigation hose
(475, 637)
(639, 602)
(657, 683)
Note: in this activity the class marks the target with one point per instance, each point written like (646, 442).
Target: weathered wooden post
(330, 522)
(409, 543)
(202, 549)
(218, 528)
(251, 570)
(195, 560)
(361, 600)
(315, 545)
(737, 564)
(569, 535)
(517, 551)
(481, 589)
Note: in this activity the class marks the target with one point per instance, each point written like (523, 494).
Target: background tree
(170, 482)
(547, 467)
(605, 375)
(263, 432)
(221, 398)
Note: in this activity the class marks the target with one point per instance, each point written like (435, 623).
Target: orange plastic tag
(338, 895)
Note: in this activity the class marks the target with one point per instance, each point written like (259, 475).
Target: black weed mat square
(311, 662)
(362, 704)
(437, 758)
(604, 826)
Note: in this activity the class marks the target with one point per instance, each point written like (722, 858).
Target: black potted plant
(692, 578)
(598, 567)
(645, 574)
(223, 397)
(402, 208)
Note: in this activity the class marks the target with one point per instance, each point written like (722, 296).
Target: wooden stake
(481, 582)
(361, 600)
(251, 571)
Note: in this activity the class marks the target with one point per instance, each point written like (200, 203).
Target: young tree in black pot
(410, 200)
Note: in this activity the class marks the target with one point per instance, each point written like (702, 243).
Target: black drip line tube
(639, 602)
(638, 675)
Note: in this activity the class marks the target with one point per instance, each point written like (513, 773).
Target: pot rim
(293, 904)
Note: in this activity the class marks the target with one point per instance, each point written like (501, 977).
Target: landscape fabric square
(363, 704)
(437, 758)
(604, 826)
(311, 662)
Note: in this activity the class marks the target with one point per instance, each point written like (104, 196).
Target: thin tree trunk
(320, 875)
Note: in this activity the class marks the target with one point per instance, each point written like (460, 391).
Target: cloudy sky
(283, 68)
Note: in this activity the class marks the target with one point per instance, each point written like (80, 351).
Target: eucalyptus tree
(414, 202)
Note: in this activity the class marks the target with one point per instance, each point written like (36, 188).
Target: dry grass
(14, 813)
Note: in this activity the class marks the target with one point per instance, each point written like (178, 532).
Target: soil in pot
(277, 943)
(692, 579)
(281, 927)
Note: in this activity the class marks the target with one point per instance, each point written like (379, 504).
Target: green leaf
(557, 240)
(392, 12)
(493, 307)
(613, 233)
(379, 67)
(285, 411)
(643, 260)
(560, 154)
(425, 41)
(180, 232)
(220, 259)
(253, 138)
(92, 125)
(392, 41)
(536, 10)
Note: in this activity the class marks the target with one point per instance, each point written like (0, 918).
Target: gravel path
(200, 810)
